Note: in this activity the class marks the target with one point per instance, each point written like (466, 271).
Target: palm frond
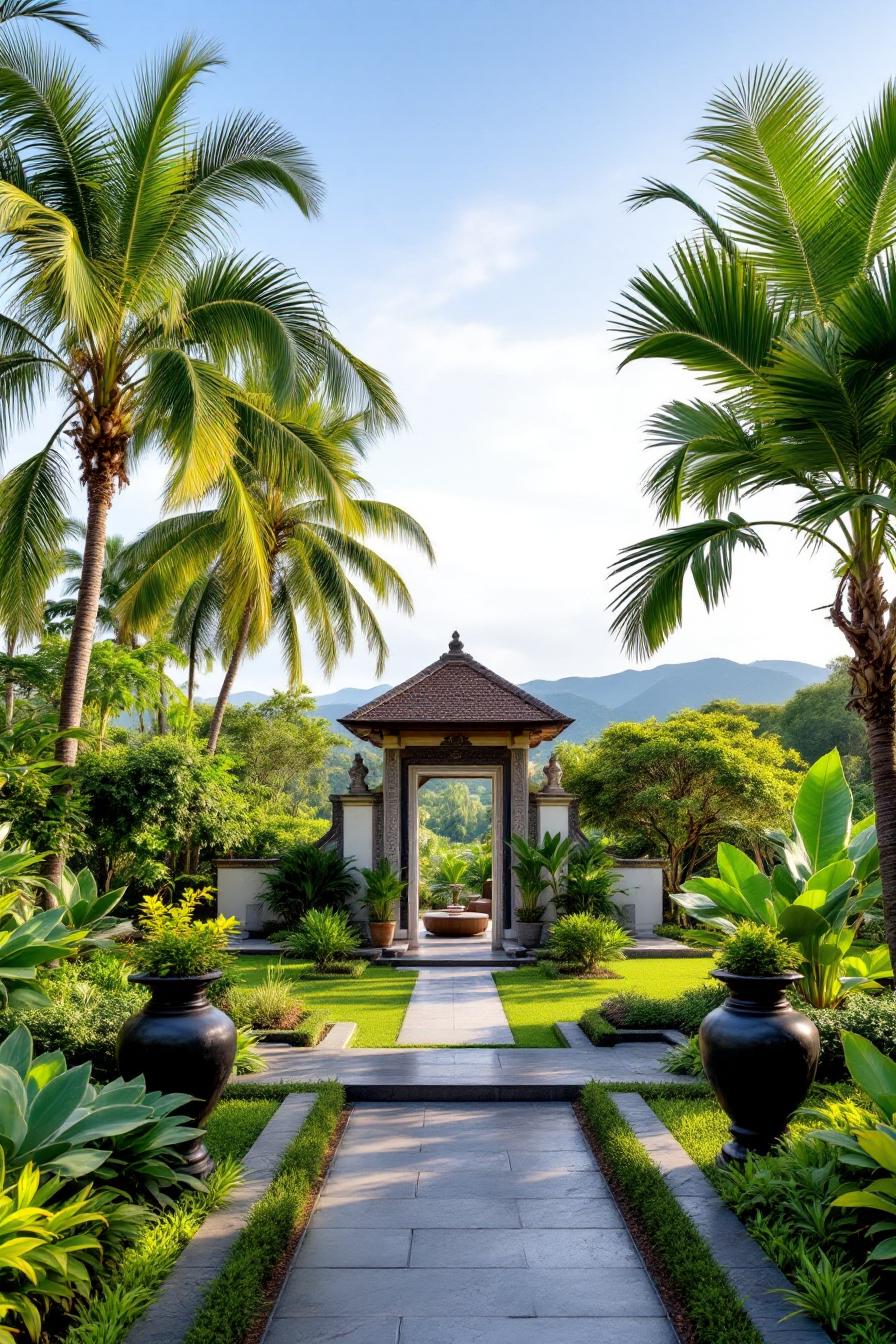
(714, 316)
(654, 190)
(713, 458)
(167, 559)
(34, 525)
(48, 11)
(351, 383)
(776, 160)
(187, 404)
(869, 178)
(649, 578)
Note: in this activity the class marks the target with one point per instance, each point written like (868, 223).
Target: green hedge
(234, 1299)
(596, 1027)
(308, 1032)
(682, 1259)
(684, 1011)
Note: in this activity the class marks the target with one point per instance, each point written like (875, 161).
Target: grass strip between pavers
(695, 1289)
(239, 1294)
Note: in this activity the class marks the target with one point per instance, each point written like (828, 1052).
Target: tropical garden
(131, 312)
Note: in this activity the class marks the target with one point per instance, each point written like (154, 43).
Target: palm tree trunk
(870, 630)
(10, 685)
(214, 731)
(74, 680)
(191, 680)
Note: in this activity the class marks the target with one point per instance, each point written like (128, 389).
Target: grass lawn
(377, 1001)
(698, 1123)
(533, 1002)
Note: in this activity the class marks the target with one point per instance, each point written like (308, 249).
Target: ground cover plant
(789, 1202)
(533, 1001)
(377, 1001)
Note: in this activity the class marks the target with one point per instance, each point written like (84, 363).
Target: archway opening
(455, 859)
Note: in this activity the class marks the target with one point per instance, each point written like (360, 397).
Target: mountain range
(633, 695)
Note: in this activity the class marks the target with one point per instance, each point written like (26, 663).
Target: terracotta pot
(529, 934)
(382, 932)
(180, 1042)
(760, 1057)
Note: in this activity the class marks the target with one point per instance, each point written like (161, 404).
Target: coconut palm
(123, 301)
(315, 550)
(59, 615)
(47, 11)
(785, 305)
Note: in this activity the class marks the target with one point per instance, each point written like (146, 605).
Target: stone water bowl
(454, 924)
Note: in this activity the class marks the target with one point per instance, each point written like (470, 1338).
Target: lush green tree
(785, 305)
(767, 718)
(818, 718)
(315, 552)
(123, 299)
(679, 787)
(454, 811)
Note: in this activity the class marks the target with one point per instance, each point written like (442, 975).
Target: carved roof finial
(456, 644)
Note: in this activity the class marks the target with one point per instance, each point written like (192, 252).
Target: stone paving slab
(455, 1006)
(490, 1074)
(423, 1250)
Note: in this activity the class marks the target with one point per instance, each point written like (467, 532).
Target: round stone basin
(442, 925)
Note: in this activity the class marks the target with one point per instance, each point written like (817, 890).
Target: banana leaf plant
(871, 1150)
(825, 881)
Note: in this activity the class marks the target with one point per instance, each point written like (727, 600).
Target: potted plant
(479, 860)
(759, 1054)
(451, 877)
(530, 882)
(384, 889)
(179, 1041)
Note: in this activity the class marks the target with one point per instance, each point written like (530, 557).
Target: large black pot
(180, 1043)
(760, 1056)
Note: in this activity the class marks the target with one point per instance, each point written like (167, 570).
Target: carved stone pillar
(392, 806)
(519, 813)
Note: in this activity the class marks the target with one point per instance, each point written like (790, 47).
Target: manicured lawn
(377, 1001)
(533, 1002)
(234, 1125)
(698, 1123)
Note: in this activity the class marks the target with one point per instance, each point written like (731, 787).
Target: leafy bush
(307, 878)
(684, 1011)
(870, 1015)
(755, 949)
(270, 1006)
(248, 1058)
(175, 942)
(684, 1058)
(82, 1018)
(585, 942)
(590, 882)
(324, 937)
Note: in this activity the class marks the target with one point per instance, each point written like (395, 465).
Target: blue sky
(476, 154)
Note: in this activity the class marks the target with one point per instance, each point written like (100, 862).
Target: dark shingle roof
(454, 691)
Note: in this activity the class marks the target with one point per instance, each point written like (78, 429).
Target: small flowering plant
(175, 943)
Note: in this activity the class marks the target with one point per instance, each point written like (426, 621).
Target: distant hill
(635, 694)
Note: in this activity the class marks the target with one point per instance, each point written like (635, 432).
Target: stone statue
(358, 775)
(553, 774)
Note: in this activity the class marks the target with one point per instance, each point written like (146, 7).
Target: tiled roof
(455, 689)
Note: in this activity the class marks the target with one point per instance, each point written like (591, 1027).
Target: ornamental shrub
(325, 937)
(82, 1020)
(175, 942)
(271, 1006)
(585, 942)
(308, 878)
(870, 1015)
(755, 949)
(684, 1011)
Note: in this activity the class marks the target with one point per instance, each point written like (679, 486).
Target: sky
(474, 237)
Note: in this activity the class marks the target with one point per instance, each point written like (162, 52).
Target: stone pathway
(455, 1006)
(466, 1224)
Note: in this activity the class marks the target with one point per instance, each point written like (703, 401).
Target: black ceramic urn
(180, 1042)
(760, 1057)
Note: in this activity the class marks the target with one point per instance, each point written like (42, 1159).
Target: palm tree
(314, 550)
(785, 305)
(47, 11)
(59, 615)
(123, 301)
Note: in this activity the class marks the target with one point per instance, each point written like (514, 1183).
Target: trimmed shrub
(870, 1015)
(325, 937)
(82, 1020)
(756, 949)
(684, 1011)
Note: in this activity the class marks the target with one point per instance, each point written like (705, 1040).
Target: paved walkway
(473, 1075)
(466, 1224)
(455, 1006)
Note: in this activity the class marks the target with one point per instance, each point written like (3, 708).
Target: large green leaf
(872, 1070)
(823, 810)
